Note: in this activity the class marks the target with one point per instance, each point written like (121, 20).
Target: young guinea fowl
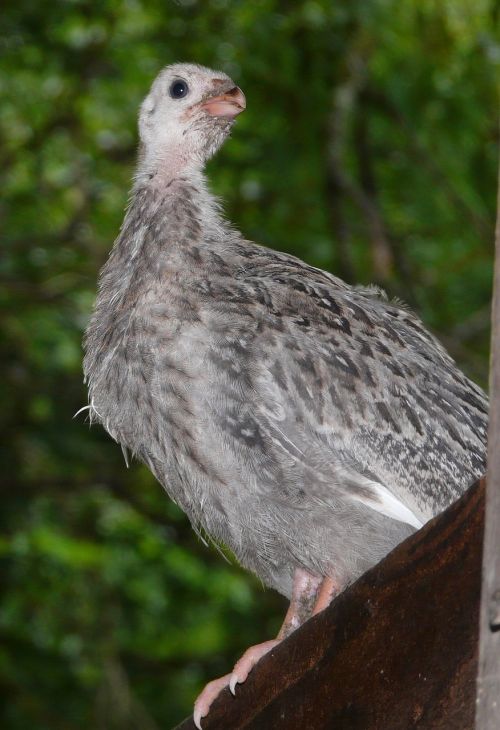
(307, 424)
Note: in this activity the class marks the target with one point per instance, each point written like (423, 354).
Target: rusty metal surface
(397, 650)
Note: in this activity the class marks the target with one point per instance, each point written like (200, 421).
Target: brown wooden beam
(488, 681)
(397, 650)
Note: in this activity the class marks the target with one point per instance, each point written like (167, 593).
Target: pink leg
(328, 589)
(304, 599)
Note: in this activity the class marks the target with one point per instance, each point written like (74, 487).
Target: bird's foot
(246, 663)
(310, 594)
(207, 696)
(240, 672)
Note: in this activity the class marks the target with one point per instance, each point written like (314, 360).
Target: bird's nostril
(237, 96)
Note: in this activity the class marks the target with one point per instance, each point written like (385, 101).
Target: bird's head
(186, 117)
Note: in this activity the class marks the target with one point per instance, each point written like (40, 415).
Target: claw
(197, 717)
(205, 699)
(233, 682)
(241, 670)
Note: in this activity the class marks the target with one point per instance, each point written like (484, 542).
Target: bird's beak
(227, 105)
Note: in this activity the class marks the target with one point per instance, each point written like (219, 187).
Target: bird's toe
(241, 670)
(207, 696)
(246, 663)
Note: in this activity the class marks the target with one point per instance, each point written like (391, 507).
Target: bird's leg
(305, 594)
(328, 589)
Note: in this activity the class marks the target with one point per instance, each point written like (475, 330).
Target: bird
(308, 424)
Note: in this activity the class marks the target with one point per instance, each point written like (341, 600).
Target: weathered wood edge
(488, 681)
(396, 650)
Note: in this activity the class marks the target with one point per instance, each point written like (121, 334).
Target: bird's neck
(179, 203)
(165, 224)
(170, 185)
(160, 166)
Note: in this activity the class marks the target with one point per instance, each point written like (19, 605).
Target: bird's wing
(349, 378)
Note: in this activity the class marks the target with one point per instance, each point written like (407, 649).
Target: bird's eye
(178, 89)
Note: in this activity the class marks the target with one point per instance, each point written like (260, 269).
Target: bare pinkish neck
(159, 167)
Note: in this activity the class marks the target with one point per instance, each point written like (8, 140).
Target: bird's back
(363, 374)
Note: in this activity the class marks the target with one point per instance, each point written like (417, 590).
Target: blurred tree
(368, 148)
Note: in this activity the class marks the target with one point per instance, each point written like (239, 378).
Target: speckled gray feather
(301, 421)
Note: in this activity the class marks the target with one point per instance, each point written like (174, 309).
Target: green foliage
(368, 147)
